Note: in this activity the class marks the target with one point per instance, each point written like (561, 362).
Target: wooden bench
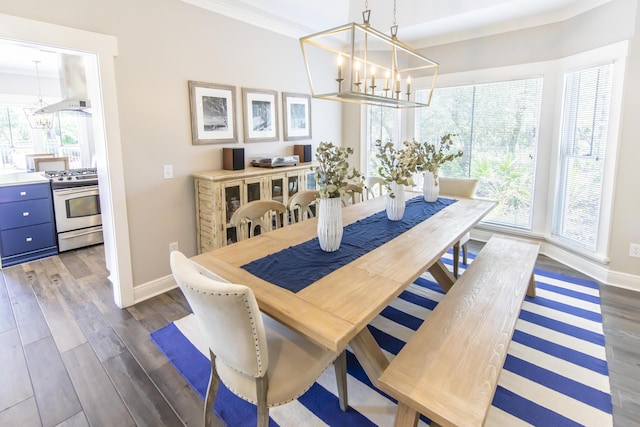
(450, 367)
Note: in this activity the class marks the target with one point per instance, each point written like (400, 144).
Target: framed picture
(297, 116)
(212, 113)
(260, 111)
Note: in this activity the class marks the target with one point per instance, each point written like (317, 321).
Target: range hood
(73, 85)
(66, 105)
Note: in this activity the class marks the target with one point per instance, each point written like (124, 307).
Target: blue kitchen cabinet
(27, 227)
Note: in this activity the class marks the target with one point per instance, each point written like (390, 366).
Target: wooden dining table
(334, 311)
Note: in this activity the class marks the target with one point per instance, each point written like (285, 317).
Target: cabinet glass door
(277, 190)
(253, 191)
(232, 201)
(311, 181)
(293, 185)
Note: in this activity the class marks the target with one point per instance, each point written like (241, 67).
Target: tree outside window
(496, 126)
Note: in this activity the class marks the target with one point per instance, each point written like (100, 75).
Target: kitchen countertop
(22, 178)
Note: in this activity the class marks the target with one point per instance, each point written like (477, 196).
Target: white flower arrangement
(396, 165)
(432, 156)
(333, 172)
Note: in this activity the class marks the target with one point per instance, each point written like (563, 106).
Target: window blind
(583, 139)
(496, 125)
(384, 124)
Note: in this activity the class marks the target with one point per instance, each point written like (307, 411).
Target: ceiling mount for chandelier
(39, 121)
(357, 63)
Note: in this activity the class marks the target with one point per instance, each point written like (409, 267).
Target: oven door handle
(84, 233)
(87, 189)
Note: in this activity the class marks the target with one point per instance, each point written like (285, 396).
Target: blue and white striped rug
(555, 373)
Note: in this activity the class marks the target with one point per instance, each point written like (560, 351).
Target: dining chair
(458, 187)
(257, 358)
(259, 213)
(352, 194)
(301, 203)
(371, 183)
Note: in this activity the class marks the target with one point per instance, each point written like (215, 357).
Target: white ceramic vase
(330, 223)
(395, 205)
(430, 187)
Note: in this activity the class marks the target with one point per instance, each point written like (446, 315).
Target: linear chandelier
(357, 63)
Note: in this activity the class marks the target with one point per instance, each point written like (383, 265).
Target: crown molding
(435, 33)
(258, 18)
(431, 33)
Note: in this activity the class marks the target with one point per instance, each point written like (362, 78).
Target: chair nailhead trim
(254, 328)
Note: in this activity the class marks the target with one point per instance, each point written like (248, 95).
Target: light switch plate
(167, 171)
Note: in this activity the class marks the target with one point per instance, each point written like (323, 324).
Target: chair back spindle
(257, 215)
(302, 205)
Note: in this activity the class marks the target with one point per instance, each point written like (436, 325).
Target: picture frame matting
(260, 112)
(297, 116)
(212, 109)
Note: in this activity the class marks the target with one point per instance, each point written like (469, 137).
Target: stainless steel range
(76, 206)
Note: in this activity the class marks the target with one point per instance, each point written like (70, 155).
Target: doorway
(101, 86)
(35, 78)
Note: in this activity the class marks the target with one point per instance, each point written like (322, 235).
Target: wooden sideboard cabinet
(219, 193)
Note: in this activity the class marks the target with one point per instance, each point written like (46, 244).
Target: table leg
(442, 275)
(531, 291)
(406, 416)
(369, 354)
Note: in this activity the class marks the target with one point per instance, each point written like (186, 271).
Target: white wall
(625, 224)
(602, 26)
(162, 44)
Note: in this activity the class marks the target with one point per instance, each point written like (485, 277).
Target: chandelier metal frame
(361, 52)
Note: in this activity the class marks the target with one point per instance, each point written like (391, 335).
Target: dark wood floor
(70, 357)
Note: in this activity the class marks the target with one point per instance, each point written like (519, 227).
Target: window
(382, 124)
(583, 141)
(496, 126)
(18, 138)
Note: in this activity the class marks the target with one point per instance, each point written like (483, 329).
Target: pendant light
(357, 63)
(40, 120)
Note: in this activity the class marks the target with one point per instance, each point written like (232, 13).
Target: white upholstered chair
(373, 187)
(458, 187)
(300, 205)
(256, 357)
(352, 194)
(259, 213)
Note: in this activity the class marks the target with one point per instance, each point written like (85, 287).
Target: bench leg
(531, 290)
(369, 354)
(406, 416)
(465, 254)
(456, 258)
(442, 275)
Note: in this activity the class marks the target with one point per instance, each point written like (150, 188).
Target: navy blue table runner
(298, 266)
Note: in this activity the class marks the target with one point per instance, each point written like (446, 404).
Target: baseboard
(154, 288)
(590, 267)
(593, 269)
(624, 280)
